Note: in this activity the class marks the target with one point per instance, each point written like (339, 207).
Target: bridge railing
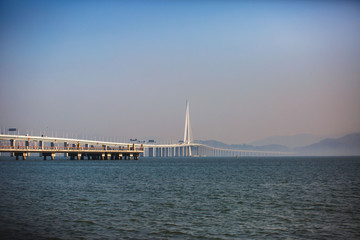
(20, 147)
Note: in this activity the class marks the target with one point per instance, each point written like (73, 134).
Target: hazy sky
(125, 68)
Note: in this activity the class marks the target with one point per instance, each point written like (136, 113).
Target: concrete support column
(23, 155)
(12, 145)
(53, 156)
(41, 146)
(66, 146)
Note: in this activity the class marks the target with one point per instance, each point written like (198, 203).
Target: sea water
(181, 198)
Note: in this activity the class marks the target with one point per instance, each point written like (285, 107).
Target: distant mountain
(212, 143)
(298, 140)
(347, 145)
(271, 147)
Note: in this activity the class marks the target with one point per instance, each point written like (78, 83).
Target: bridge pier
(21, 154)
(52, 155)
(66, 146)
(151, 152)
(12, 145)
(128, 156)
(78, 156)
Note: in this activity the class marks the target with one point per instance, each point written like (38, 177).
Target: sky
(124, 69)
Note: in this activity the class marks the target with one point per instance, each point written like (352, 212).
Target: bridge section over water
(200, 150)
(22, 146)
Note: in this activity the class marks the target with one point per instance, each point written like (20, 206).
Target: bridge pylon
(188, 133)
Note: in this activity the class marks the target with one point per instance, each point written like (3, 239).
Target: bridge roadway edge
(22, 145)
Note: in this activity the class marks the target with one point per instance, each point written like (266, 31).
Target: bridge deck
(79, 153)
(18, 144)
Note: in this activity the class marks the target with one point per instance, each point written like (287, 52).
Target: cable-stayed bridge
(22, 145)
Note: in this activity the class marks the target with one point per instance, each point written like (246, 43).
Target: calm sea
(181, 198)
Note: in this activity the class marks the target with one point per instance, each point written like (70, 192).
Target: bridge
(23, 145)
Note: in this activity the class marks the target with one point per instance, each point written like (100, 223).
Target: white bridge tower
(188, 133)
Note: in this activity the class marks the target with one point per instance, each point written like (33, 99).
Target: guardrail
(25, 148)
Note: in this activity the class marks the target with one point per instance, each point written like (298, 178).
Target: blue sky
(125, 68)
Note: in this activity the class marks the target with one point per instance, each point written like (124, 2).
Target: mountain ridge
(293, 141)
(218, 144)
(345, 145)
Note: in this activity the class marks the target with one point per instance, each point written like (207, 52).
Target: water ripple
(247, 198)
